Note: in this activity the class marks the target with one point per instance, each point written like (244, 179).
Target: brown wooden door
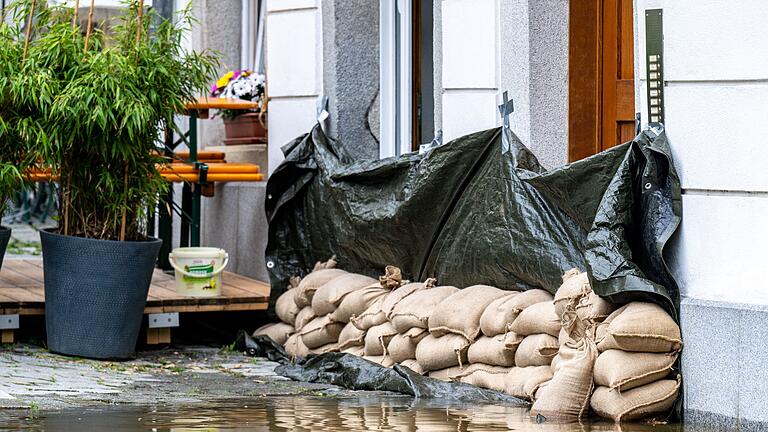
(601, 95)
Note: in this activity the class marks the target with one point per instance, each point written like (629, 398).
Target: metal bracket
(9, 322)
(202, 173)
(506, 108)
(163, 320)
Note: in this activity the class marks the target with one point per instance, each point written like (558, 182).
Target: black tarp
(479, 210)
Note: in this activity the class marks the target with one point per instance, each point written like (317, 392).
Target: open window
(406, 75)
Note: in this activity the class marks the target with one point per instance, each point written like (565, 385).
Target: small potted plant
(243, 126)
(102, 105)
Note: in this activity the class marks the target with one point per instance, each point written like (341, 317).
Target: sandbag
(295, 347)
(500, 313)
(355, 350)
(496, 351)
(640, 402)
(522, 382)
(331, 347)
(623, 370)
(286, 308)
(320, 331)
(372, 316)
(445, 374)
(413, 365)
(537, 318)
(328, 296)
(575, 286)
(460, 312)
(397, 295)
(403, 346)
(442, 352)
(536, 350)
(309, 285)
(377, 338)
(357, 302)
(279, 332)
(304, 316)
(383, 360)
(484, 376)
(415, 309)
(351, 336)
(566, 395)
(640, 327)
(594, 308)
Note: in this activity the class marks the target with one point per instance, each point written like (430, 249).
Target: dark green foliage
(95, 116)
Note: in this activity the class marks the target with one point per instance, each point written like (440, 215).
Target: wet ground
(210, 389)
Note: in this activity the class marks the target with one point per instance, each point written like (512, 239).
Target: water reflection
(310, 414)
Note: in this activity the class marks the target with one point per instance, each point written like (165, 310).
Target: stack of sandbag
(380, 331)
(638, 344)
(410, 319)
(286, 310)
(454, 325)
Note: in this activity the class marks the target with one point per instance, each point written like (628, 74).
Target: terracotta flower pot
(246, 129)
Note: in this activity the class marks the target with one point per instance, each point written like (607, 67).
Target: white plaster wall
(716, 85)
(469, 66)
(294, 71)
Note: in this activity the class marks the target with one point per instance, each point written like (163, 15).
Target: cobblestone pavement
(32, 378)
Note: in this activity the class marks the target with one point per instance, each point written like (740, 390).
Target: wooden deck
(21, 292)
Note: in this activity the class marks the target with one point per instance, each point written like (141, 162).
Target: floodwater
(302, 413)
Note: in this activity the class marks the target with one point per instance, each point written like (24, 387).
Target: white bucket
(198, 270)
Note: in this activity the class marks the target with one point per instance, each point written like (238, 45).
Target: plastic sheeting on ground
(479, 210)
(353, 372)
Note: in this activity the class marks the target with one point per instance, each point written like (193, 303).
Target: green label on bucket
(202, 271)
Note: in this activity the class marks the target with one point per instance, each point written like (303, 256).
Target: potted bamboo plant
(13, 125)
(103, 104)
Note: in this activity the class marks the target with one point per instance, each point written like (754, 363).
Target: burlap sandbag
(640, 402)
(403, 346)
(575, 286)
(279, 332)
(445, 374)
(295, 347)
(397, 295)
(413, 365)
(357, 302)
(328, 296)
(536, 350)
(594, 308)
(304, 316)
(320, 331)
(640, 327)
(496, 351)
(310, 284)
(567, 394)
(483, 376)
(435, 353)
(372, 316)
(415, 309)
(626, 370)
(500, 313)
(285, 306)
(522, 382)
(331, 347)
(377, 338)
(382, 360)
(351, 336)
(460, 312)
(355, 350)
(537, 318)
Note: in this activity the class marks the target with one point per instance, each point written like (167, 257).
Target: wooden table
(22, 293)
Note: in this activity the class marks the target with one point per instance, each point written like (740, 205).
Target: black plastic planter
(95, 292)
(5, 237)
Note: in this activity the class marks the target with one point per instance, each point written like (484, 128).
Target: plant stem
(138, 23)
(29, 29)
(90, 27)
(123, 219)
(77, 10)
